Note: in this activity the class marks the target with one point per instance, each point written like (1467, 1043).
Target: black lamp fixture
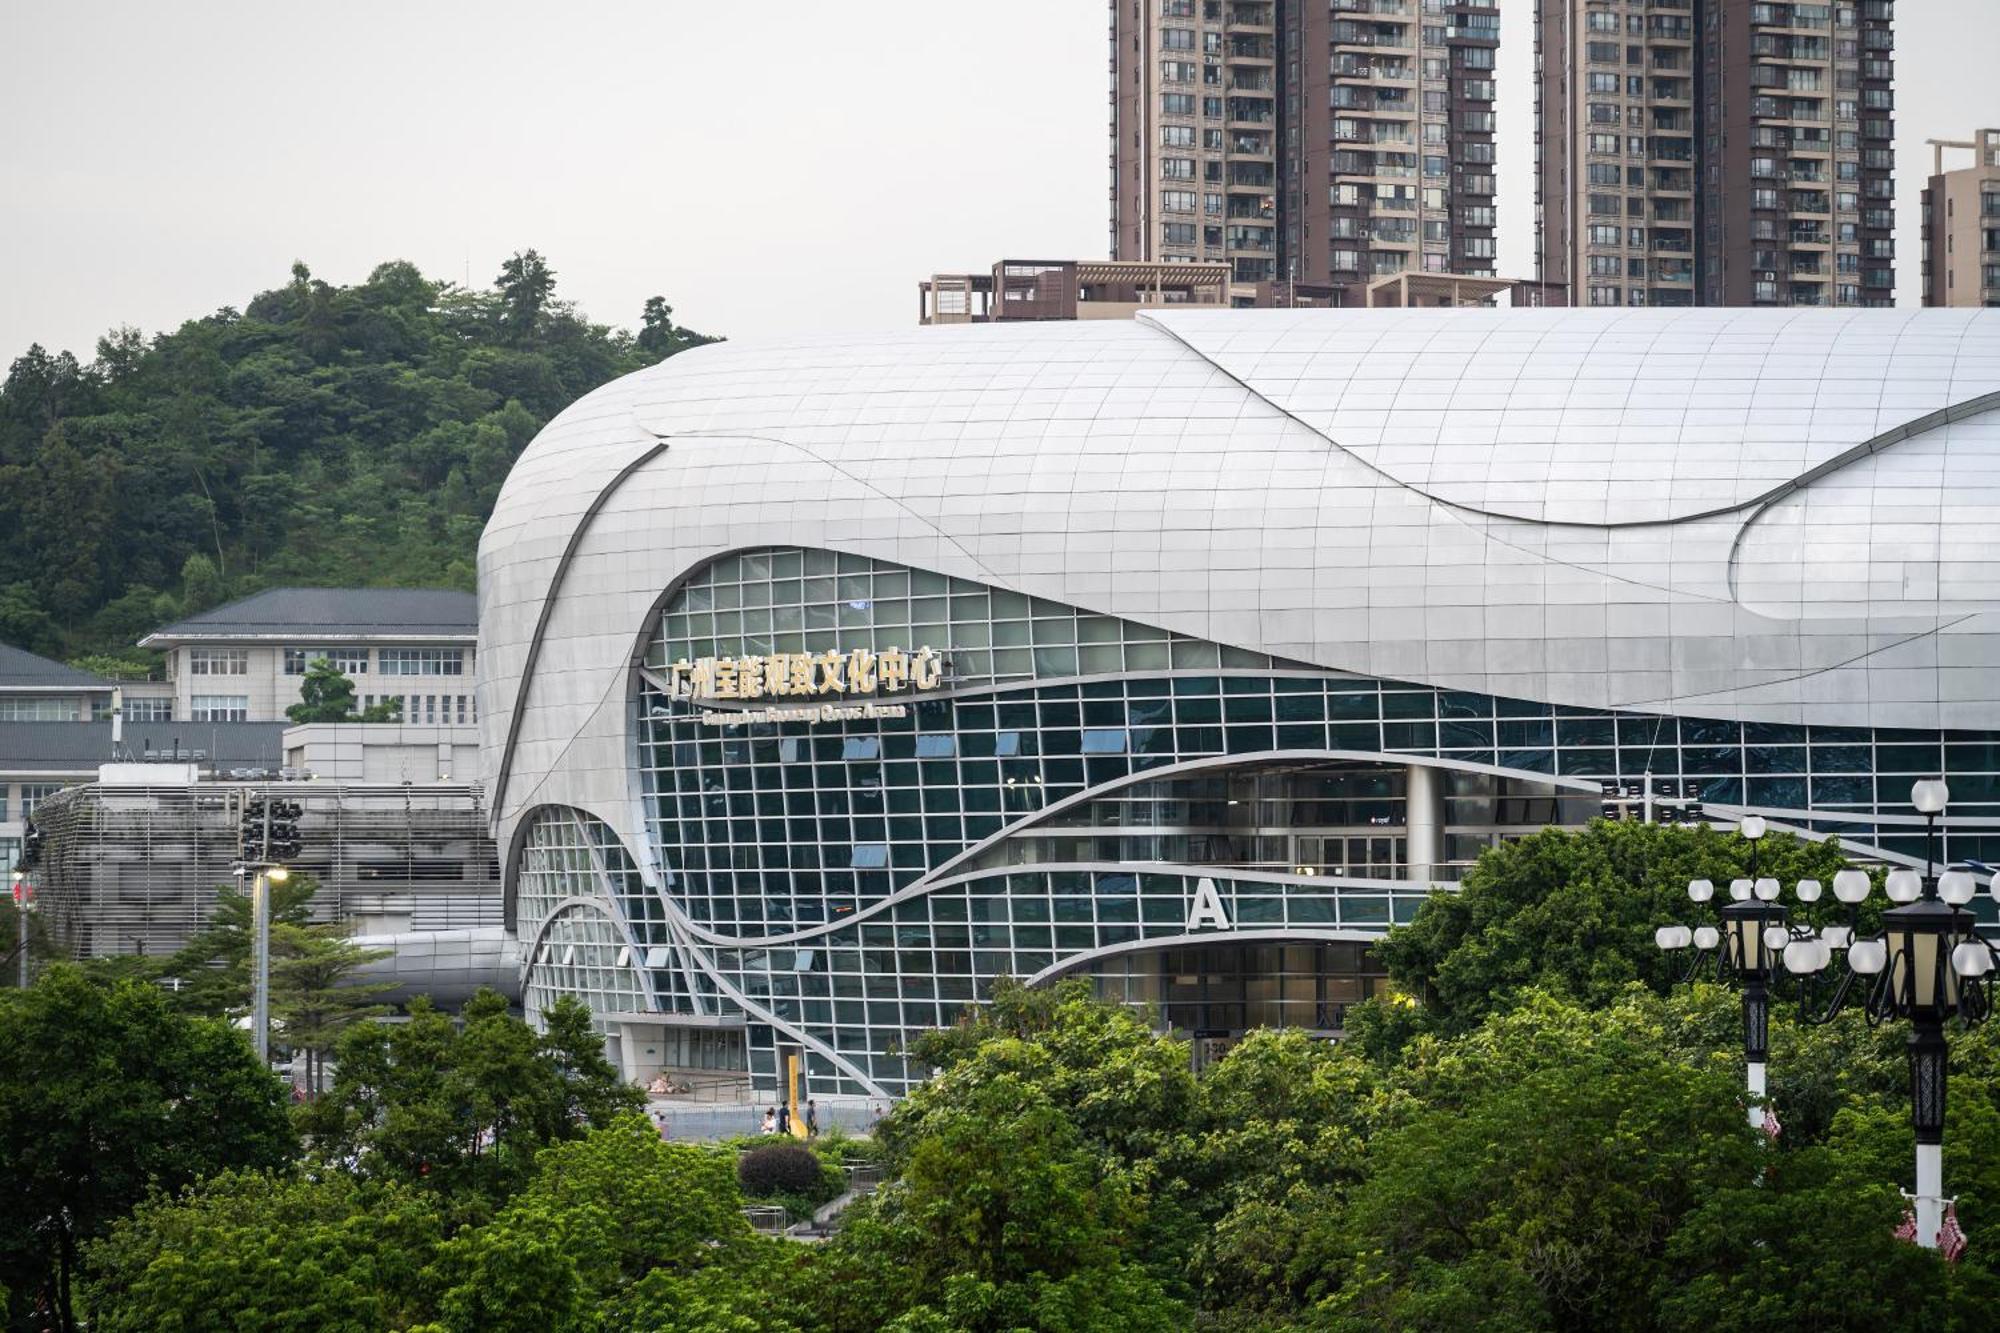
(1927, 966)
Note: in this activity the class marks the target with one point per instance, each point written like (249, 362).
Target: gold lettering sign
(854, 672)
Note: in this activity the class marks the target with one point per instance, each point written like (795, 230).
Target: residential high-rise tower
(1716, 152)
(1962, 225)
(1315, 147)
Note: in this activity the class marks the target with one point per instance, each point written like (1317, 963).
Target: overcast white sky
(774, 167)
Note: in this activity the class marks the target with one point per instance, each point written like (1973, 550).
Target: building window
(220, 708)
(1177, 104)
(421, 661)
(1178, 71)
(32, 709)
(218, 661)
(350, 661)
(1177, 136)
(149, 710)
(1177, 233)
(1177, 39)
(34, 793)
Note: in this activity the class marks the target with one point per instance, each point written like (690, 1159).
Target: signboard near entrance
(828, 675)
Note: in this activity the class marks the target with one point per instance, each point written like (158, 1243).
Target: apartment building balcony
(1672, 211)
(1808, 235)
(1785, 19)
(1250, 48)
(1246, 111)
(1391, 231)
(1252, 14)
(1251, 81)
(1395, 35)
(1253, 208)
(1672, 244)
(1251, 176)
(1372, 71)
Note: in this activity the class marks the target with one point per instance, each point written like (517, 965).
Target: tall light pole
(1928, 965)
(267, 834)
(260, 956)
(21, 895)
(1743, 952)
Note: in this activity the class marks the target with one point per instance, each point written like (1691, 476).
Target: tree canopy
(105, 1095)
(320, 434)
(1568, 1152)
(1573, 912)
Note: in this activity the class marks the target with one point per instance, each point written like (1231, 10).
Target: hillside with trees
(319, 435)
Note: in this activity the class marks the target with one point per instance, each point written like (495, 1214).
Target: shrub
(779, 1168)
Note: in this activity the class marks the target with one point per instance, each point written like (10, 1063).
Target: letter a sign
(1206, 909)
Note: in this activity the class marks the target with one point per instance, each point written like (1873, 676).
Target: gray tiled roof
(21, 669)
(440, 612)
(82, 746)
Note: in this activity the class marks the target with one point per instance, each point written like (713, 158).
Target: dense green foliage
(106, 1094)
(1569, 1154)
(277, 1251)
(1573, 913)
(320, 435)
(463, 1108)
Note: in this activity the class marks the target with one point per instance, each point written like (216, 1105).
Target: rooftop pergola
(1437, 289)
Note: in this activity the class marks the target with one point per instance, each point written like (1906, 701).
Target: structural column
(1423, 823)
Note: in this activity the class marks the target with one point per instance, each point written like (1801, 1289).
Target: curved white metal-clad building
(1208, 596)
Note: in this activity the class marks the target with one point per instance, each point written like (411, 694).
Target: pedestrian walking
(770, 1120)
(812, 1119)
(784, 1118)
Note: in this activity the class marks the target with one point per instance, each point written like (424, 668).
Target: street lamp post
(22, 894)
(262, 878)
(1927, 966)
(1741, 950)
